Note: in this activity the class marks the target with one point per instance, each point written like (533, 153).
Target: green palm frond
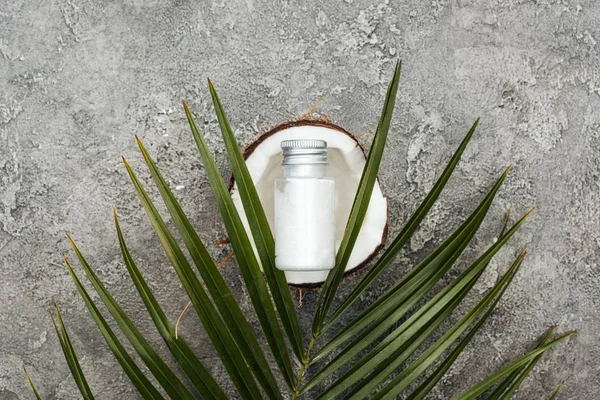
(404, 236)
(138, 378)
(167, 379)
(224, 300)
(242, 248)
(396, 302)
(508, 386)
(221, 336)
(494, 378)
(398, 345)
(193, 368)
(384, 351)
(69, 353)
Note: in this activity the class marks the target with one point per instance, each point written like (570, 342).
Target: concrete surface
(78, 78)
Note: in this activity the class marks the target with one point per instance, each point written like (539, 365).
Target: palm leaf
(494, 378)
(428, 384)
(224, 300)
(137, 377)
(395, 347)
(261, 232)
(359, 207)
(224, 344)
(414, 370)
(508, 386)
(185, 357)
(391, 306)
(161, 371)
(404, 236)
(372, 347)
(249, 267)
(70, 356)
(516, 383)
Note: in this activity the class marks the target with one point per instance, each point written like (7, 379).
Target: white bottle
(304, 209)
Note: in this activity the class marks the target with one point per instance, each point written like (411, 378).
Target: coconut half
(346, 160)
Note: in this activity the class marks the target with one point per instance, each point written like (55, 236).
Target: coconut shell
(305, 121)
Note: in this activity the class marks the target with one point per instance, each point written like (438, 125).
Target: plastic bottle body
(305, 219)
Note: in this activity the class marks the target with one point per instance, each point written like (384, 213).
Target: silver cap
(304, 151)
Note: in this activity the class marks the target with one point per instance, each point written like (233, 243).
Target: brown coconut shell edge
(303, 121)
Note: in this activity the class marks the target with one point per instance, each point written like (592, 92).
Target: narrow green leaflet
(558, 389)
(70, 356)
(226, 347)
(224, 300)
(431, 354)
(35, 392)
(187, 360)
(161, 371)
(137, 377)
(404, 236)
(244, 254)
(521, 377)
(508, 386)
(359, 207)
(491, 380)
(385, 354)
(391, 306)
(261, 232)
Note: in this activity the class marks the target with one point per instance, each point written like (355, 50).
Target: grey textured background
(78, 78)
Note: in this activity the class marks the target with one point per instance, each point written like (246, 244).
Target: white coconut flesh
(346, 161)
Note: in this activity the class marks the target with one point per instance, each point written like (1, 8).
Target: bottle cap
(304, 151)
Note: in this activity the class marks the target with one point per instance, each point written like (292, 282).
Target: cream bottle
(304, 208)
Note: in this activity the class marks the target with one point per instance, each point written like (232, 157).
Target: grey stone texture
(80, 78)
